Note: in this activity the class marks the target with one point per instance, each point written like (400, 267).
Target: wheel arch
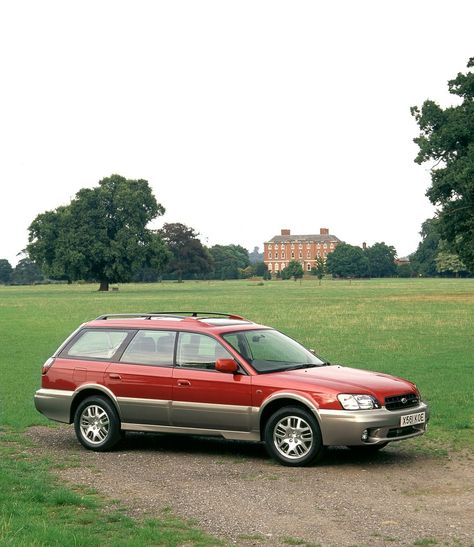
(89, 390)
(280, 400)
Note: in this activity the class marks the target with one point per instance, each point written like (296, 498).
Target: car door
(204, 398)
(141, 378)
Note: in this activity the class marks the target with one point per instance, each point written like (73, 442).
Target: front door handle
(184, 383)
(114, 376)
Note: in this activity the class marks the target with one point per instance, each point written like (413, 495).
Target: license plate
(412, 419)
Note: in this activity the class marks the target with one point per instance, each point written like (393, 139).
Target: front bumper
(345, 427)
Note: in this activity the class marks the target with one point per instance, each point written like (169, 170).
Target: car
(214, 374)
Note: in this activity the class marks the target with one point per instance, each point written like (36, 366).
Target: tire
(368, 448)
(292, 437)
(97, 424)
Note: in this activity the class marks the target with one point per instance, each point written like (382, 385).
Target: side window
(151, 347)
(96, 344)
(199, 351)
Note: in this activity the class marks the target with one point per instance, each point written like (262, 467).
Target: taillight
(47, 365)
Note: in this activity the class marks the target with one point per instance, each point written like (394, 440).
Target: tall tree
(188, 256)
(255, 256)
(447, 139)
(381, 260)
(423, 259)
(448, 263)
(26, 272)
(228, 260)
(319, 268)
(347, 261)
(101, 235)
(6, 271)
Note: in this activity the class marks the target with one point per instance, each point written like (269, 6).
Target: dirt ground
(234, 491)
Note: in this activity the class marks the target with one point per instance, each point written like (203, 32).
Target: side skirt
(230, 435)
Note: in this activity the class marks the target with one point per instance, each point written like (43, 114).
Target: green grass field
(419, 329)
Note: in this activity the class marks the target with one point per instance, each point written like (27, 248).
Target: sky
(245, 117)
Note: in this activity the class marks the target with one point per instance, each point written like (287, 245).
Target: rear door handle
(114, 376)
(184, 383)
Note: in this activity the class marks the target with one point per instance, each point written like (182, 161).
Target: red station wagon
(205, 373)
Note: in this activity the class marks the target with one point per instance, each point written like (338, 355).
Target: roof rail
(174, 314)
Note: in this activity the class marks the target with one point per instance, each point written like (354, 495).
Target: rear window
(96, 344)
(151, 347)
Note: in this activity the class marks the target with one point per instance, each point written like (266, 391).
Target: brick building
(280, 250)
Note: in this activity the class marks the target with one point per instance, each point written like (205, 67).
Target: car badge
(404, 400)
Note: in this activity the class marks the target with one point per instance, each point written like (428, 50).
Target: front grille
(399, 402)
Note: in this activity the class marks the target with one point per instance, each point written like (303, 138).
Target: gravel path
(232, 489)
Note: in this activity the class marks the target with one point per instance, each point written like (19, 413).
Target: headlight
(357, 402)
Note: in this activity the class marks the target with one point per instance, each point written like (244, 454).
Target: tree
(423, 259)
(188, 256)
(260, 269)
(404, 270)
(255, 256)
(228, 260)
(447, 262)
(293, 270)
(101, 235)
(6, 271)
(319, 268)
(347, 261)
(447, 138)
(381, 260)
(26, 272)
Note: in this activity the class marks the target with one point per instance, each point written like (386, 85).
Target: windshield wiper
(306, 365)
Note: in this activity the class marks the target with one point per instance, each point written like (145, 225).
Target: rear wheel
(97, 424)
(292, 437)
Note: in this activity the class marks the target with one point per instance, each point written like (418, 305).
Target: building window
(276, 267)
(270, 267)
(308, 254)
(300, 246)
(282, 266)
(300, 254)
(292, 254)
(292, 245)
(308, 267)
(283, 254)
(276, 254)
(332, 245)
(325, 245)
(269, 254)
(270, 247)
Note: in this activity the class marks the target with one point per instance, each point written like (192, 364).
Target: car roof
(187, 321)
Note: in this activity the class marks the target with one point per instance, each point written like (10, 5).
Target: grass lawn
(419, 329)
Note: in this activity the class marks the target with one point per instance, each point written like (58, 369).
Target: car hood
(339, 379)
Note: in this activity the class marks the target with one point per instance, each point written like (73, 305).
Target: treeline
(102, 236)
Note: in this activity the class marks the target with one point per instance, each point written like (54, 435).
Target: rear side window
(151, 347)
(96, 344)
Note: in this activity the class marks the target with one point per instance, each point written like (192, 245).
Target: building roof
(304, 238)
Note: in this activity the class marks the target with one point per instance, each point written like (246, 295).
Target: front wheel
(97, 424)
(292, 437)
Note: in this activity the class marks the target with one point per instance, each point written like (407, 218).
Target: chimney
(285, 232)
(324, 231)
(364, 245)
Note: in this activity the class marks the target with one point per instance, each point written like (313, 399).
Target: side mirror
(227, 365)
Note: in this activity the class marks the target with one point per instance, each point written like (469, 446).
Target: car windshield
(271, 351)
